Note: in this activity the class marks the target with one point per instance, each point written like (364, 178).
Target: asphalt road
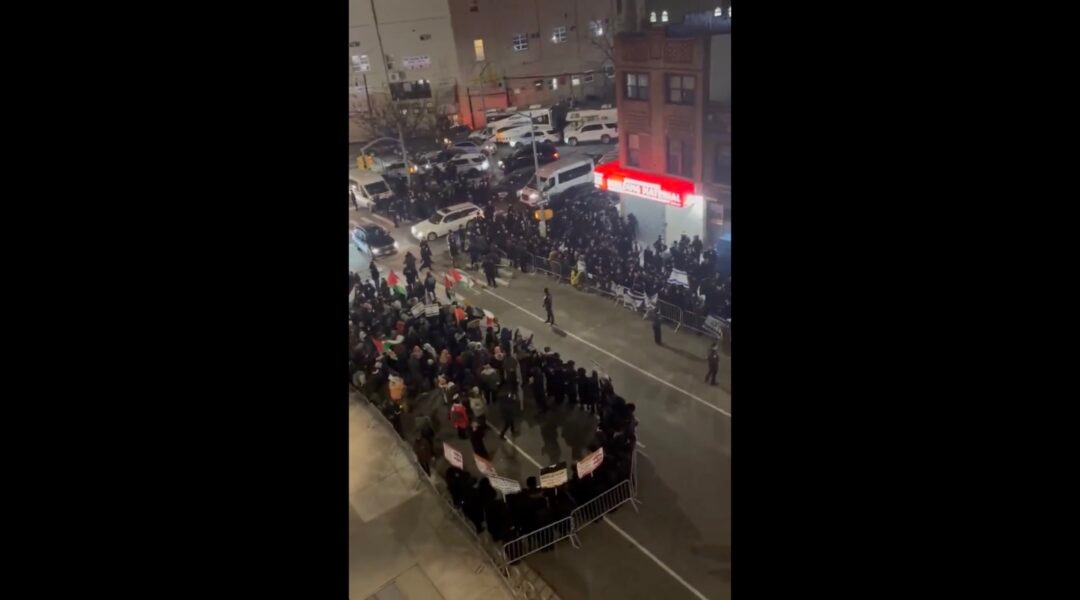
(677, 546)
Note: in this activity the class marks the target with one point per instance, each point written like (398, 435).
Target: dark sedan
(523, 157)
(375, 240)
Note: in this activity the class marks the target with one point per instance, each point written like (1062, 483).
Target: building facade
(525, 52)
(421, 61)
(673, 89)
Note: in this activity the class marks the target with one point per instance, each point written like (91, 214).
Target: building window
(411, 90)
(558, 35)
(718, 12)
(652, 17)
(521, 42)
(722, 164)
(596, 28)
(679, 160)
(663, 17)
(478, 49)
(575, 81)
(729, 12)
(637, 86)
(587, 79)
(680, 89)
(633, 150)
(474, 5)
(554, 83)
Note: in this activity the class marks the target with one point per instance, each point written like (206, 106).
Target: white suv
(468, 163)
(592, 132)
(446, 220)
(524, 137)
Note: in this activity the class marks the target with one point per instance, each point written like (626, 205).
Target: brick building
(673, 90)
(525, 52)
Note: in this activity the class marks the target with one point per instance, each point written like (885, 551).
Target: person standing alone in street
(656, 322)
(714, 364)
(547, 307)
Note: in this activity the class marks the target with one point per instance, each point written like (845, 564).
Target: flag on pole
(395, 283)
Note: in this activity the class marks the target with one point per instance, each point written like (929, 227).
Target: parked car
(438, 160)
(469, 146)
(503, 133)
(524, 137)
(523, 157)
(470, 163)
(446, 220)
(374, 240)
(592, 132)
(457, 133)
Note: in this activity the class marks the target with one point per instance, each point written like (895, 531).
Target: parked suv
(523, 157)
(592, 132)
(446, 220)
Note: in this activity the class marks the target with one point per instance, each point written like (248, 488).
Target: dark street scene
(540, 299)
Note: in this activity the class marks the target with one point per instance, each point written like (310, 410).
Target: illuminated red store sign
(658, 188)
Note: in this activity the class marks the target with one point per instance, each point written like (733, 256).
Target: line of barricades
(707, 325)
(502, 558)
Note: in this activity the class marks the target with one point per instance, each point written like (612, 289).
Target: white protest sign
(504, 485)
(555, 476)
(431, 310)
(417, 309)
(453, 456)
(590, 462)
(485, 467)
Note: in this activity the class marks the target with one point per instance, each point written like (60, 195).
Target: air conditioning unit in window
(397, 76)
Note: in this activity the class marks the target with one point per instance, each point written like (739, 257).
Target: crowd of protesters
(590, 244)
(473, 369)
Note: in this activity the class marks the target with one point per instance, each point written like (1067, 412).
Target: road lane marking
(598, 348)
(625, 535)
(658, 562)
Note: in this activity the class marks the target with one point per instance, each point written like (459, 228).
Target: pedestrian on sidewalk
(425, 255)
(477, 439)
(656, 322)
(459, 418)
(508, 405)
(374, 273)
(547, 307)
(714, 364)
(425, 453)
(429, 287)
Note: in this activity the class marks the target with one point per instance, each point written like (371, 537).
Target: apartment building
(525, 52)
(673, 89)
(421, 62)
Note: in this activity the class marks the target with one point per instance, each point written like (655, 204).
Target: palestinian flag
(459, 278)
(447, 282)
(395, 284)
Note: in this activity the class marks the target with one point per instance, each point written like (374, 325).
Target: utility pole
(536, 176)
(393, 102)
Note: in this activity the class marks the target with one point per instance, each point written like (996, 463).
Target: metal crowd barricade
(536, 541)
(601, 505)
(670, 312)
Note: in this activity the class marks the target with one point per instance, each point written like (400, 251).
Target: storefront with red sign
(662, 205)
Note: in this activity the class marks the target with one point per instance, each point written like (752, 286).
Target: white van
(555, 178)
(368, 188)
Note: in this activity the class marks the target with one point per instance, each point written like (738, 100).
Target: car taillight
(556, 155)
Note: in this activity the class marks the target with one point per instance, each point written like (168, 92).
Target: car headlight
(395, 245)
(485, 164)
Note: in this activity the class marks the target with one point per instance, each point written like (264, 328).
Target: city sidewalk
(403, 544)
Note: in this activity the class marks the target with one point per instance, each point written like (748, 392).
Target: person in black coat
(539, 392)
(570, 384)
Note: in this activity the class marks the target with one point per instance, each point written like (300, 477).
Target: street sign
(590, 463)
(485, 467)
(453, 456)
(554, 476)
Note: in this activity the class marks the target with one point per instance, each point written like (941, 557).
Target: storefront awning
(672, 191)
